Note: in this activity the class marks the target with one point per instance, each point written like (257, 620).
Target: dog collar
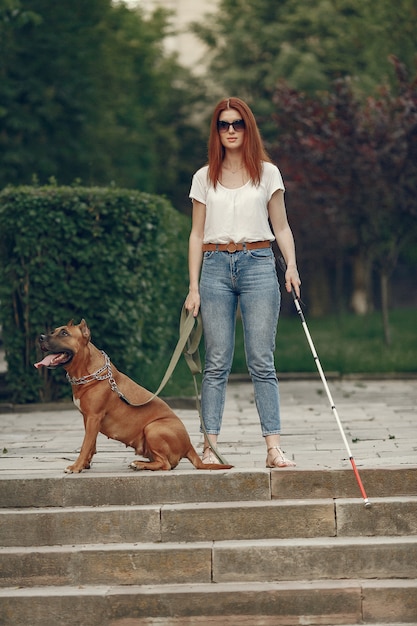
(98, 375)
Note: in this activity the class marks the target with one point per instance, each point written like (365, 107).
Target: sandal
(209, 457)
(279, 460)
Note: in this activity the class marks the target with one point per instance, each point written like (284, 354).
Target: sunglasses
(223, 127)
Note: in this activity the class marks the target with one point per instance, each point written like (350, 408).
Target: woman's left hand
(292, 280)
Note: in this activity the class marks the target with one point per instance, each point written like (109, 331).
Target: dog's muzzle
(54, 358)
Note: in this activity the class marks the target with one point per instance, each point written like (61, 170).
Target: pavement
(378, 417)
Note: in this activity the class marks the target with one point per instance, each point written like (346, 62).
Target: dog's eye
(64, 333)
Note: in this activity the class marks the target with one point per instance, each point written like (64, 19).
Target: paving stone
(55, 435)
(115, 548)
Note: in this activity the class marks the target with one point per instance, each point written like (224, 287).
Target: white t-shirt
(239, 215)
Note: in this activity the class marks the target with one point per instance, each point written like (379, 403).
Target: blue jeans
(248, 277)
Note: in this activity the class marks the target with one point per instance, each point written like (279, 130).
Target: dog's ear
(85, 330)
(70, 323)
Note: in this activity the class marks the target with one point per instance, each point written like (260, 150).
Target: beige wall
(190, 50)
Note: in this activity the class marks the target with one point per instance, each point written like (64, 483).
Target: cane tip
(367, 504)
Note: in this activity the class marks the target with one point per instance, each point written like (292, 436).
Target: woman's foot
(209, 456)
(276, 458)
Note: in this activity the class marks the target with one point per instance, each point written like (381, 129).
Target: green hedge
(113, 256)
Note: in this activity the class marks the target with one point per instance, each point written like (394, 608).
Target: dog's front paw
(136, 465)
(73, 469)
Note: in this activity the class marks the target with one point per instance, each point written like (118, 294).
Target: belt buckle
(231, 247)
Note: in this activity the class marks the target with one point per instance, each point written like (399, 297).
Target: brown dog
(153, 429)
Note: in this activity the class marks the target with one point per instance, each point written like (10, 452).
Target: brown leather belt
(235, 247)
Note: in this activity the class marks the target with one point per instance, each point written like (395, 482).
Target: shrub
(116, 257)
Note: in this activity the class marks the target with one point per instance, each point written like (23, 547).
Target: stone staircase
(259, 548)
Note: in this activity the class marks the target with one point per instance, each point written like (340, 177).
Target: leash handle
(190, 350)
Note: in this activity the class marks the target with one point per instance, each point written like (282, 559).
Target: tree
(49, 93)
(89, 93)
(387, 177)
(387, 30)
(13, 20)
(351, 170)
(314, 146)
(308, 44)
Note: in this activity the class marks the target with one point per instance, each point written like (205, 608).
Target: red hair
(253, 148)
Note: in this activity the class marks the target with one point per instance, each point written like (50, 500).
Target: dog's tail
(193, 457)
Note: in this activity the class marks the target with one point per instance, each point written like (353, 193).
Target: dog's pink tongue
(46, 361)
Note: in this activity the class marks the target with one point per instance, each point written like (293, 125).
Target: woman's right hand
(192, 302)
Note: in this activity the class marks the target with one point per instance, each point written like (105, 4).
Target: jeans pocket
(261, 253)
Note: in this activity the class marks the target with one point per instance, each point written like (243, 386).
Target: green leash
(192, 357)
(186, 331)
(190, 331)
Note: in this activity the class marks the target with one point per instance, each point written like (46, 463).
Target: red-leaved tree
(351, 172)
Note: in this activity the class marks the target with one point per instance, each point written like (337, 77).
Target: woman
(233, 198)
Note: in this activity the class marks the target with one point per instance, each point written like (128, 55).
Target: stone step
(134, 488)
(89, 489)
(316, 602)
(268, 560)
(273, 519)
(378, 482)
